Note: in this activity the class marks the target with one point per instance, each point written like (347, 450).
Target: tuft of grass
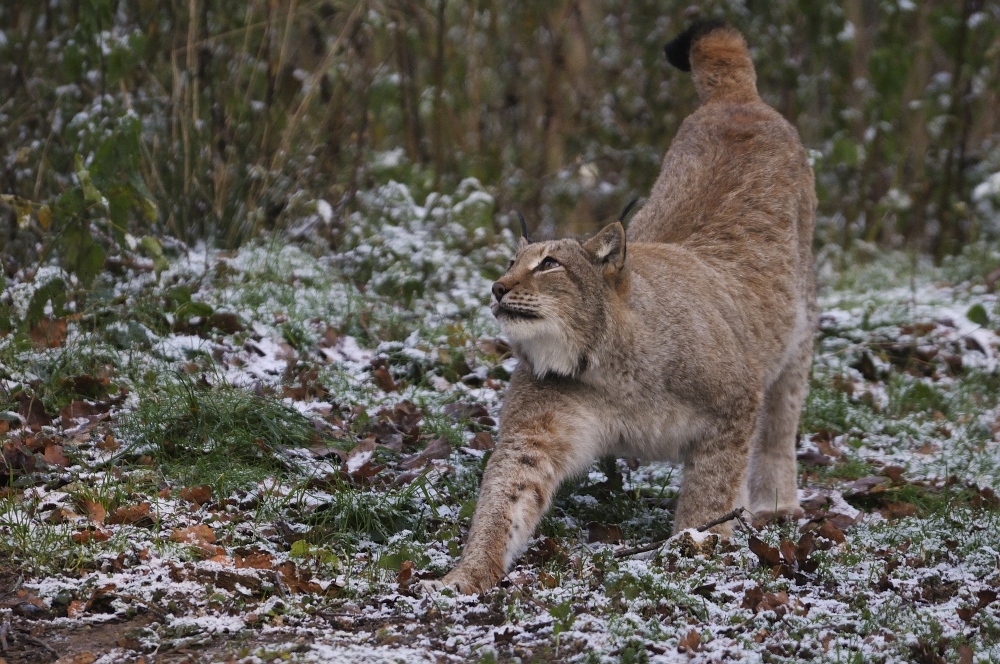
(218, 435)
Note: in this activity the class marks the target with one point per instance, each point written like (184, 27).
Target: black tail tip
(678, 49)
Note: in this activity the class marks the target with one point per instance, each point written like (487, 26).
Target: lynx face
(551, 303)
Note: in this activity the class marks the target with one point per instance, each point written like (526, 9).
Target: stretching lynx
(686, 339)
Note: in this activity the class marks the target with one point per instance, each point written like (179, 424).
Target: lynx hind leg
(534, 457)
(713, 476)
(772, 481)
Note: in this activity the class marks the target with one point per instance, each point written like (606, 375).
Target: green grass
(219, 435)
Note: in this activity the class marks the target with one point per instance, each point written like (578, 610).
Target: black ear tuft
(628, 208)
(524, 226)
(678, 50)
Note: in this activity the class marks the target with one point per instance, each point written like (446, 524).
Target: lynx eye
(548, 263)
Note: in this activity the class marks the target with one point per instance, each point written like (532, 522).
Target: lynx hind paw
(459, 585)
(782, 515)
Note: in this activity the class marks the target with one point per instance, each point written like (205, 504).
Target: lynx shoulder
(686, 339)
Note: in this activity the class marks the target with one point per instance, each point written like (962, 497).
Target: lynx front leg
(533, 458)
(714, 474)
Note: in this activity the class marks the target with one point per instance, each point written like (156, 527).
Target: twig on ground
(278, 586)
(5, 630)
(41, 644)
(149, 605)
(736, 514)
(643, 548)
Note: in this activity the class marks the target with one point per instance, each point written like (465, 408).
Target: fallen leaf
(813, 458)
(832, 532)
(48, 333)
(76, 609)
(767, 555)
(384, 380)
(804, 547)
(54, 456)
(865, 486)
(255, 560)
(436, 449)
(108, 444)
(199, 495)
(88, 536)
(77, 658)
(32, 411)
(199, 534)
(225, 322)
(130, 515)
(900, 509)
(894, 473)
(690, 642)
(95, 511)
(787, 549)
(405, 574)
(601, 532)
(482, 441)
(78, 409)
(776, 602)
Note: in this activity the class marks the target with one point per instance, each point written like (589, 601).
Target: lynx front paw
(462, 581)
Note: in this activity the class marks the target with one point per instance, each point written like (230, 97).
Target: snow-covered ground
(125, 535)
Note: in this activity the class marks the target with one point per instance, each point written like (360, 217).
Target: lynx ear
(608, 248)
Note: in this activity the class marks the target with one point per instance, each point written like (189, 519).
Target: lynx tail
(717, 56)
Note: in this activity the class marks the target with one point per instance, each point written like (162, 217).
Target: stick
(42, 644)
(735, 514)
(5, 630)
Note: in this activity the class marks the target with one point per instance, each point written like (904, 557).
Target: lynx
(686, 339)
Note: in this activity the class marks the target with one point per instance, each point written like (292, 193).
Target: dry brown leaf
(199, 495)
(77, 409)
(832, 532)
(690, 642)
(49, 333)
(88, 536)
(32, 411)
(767, 555)
(482, 441)
(54, 456)
(130, 515)
(95, 511)
(405, 574)
(77, 658)
(76, 609)
(384, 380)
(900, 509)
(108, 444)
(436, 449)
(255, 560)
(600, 532)
(752, 597)
(199, 534)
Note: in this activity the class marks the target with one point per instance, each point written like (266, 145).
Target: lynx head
(553, 301)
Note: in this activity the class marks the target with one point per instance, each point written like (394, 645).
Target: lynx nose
(499, 290)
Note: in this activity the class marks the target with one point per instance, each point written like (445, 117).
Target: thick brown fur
(688, 339)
